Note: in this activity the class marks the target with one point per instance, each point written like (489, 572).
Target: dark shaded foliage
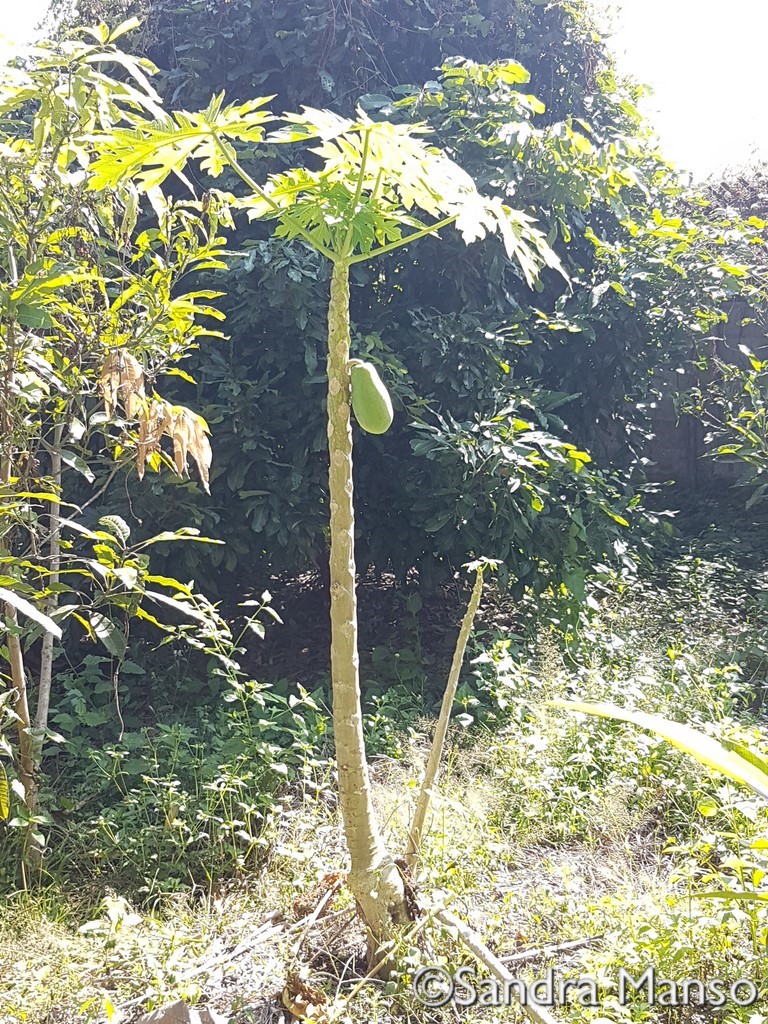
(457, 334)
(330, 52)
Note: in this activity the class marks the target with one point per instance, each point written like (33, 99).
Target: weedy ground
(549, 829)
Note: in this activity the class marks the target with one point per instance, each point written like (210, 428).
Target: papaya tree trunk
(374, 878)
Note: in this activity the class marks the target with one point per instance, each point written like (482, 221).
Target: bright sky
(704, 59)
(18, 21)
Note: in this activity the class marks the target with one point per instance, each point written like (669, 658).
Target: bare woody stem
(54, 564)
(26, 761)
(438, 743)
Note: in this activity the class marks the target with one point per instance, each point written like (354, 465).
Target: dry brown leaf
(188, 432)
(181, 441)
(122, 378)
(303, 1000)
(308, 901)
(189, 435)
(155, 419)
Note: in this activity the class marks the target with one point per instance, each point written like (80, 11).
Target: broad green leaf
(707, 807)
(35, 317)
(79, 528)
(125, 26)
(117, 526)
(184, 533)
(614, 516)
(141, 613)
(169, 581)
(733, 894)
(76, 462)
(182, 607)
(749, 755)
(174, 371)
(109, 634)
(34, 496)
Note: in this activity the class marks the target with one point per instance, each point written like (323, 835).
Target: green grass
(548, 828)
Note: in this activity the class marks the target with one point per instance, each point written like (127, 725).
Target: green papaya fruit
(371, 403)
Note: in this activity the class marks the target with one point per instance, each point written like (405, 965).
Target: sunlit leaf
(5, 795)
(109, 633)
(28, 609)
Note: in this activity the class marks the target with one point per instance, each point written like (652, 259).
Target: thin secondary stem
(54, 565)
(21, 708)
(345, 249)
(27, 775)
(438, 743)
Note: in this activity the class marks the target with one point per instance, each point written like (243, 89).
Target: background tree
(730, 395)
(328, 55)
(91, 313)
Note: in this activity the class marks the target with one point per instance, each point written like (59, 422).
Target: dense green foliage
(93, 310)
(730, 396)
(458, 337)
(328, 55)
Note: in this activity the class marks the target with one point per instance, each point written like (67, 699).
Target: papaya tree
(369, 188)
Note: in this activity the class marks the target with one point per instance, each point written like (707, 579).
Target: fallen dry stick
(314, 916)
(564, 947)
(473, 942)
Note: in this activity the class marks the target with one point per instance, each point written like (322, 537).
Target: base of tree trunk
(381, 900)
